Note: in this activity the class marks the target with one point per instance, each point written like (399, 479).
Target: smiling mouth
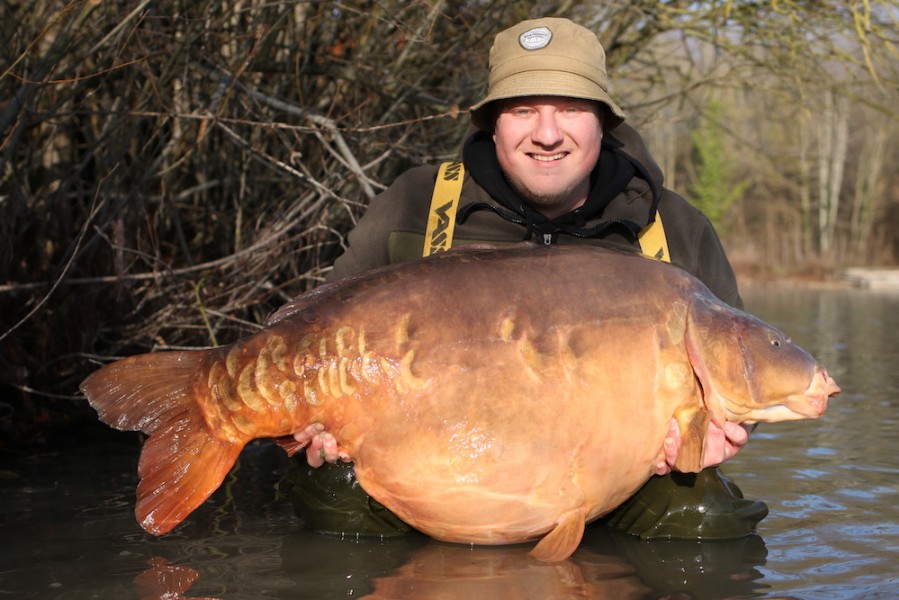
(548, 158)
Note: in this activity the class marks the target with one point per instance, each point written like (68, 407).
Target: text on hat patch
(536, 38)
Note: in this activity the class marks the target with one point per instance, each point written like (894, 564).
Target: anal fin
(561, 542)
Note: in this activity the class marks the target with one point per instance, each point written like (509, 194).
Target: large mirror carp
(486, 396)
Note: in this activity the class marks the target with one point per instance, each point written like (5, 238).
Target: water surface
(67, 529)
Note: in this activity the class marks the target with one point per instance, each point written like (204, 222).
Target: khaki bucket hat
(546, 57)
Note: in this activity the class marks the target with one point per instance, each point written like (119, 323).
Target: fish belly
(495, 451)
(485, 394)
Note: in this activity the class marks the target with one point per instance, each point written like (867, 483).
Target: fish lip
(818, 402)
(821, 388)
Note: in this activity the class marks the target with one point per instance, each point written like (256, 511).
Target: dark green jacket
(392, 230)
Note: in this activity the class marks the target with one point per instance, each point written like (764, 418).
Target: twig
(31, 390)
(118, 27)
(212, 264)
(95, 208)
(202, 308)
(325, 122)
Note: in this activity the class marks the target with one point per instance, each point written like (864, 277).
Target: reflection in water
(608, 566)
(451, 572)
(67, 528)
(704, 569)
(164, 581)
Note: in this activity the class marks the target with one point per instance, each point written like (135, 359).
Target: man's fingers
(314, 454)
(321, 446)
(723, 443)
(736, 434)
(674, 431)
(305, 436)
(720, 444)
(670, 447)
(672, 443)
(329, 448)
(714, 447)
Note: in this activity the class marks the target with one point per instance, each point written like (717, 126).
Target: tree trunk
(833, 136)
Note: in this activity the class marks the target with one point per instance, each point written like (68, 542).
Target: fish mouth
(819, 390)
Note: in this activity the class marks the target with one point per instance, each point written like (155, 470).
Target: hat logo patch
(536, 38)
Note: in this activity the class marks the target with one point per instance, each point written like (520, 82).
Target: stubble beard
(550, 203)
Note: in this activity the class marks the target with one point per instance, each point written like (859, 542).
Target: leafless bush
(172, 171)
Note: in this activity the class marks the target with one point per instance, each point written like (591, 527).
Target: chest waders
(445, 203)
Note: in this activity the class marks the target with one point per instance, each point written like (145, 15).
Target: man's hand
(719, 445)
(321, 447)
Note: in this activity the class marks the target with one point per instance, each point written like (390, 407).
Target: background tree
(715, 187)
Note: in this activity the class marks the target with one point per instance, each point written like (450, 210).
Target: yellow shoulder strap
(444, 203)
(653, 242)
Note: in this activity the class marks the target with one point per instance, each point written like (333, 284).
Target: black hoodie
(609, 178)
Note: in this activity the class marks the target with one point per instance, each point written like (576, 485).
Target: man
(552, 162)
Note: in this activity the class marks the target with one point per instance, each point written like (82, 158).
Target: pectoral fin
(693, 423)
(561, 542)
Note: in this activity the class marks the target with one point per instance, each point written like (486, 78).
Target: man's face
(547, 146)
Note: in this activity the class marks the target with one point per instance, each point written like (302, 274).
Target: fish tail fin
(180, 467)
(561, 542)
(182, 462)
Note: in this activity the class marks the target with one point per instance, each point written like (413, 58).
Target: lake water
(67, 530)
